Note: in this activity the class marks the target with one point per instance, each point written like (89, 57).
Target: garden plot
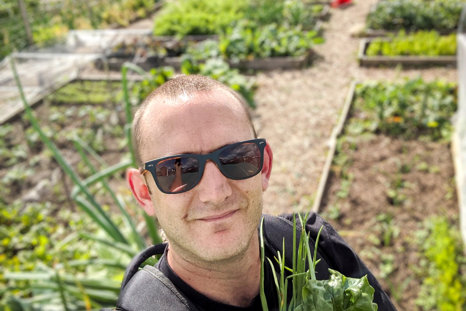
(392, 185)
(421, 49)
(270, 49)
(442, 16)
(88, 111)
(149, 52)
(261, 35)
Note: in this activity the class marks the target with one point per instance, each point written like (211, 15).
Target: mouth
(221, 216)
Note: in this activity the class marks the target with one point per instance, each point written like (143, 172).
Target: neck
(235, 281)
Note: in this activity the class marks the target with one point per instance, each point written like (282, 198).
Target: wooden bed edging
(332, 143)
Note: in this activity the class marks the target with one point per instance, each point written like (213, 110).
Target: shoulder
(149, 287)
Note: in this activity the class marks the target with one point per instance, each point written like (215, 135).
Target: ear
(140, 190)
(267, 166)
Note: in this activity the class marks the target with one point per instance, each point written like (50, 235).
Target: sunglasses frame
(213, 156)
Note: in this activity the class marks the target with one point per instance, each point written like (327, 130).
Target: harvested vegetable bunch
(339, 293)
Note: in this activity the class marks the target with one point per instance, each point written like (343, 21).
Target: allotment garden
(68, 223)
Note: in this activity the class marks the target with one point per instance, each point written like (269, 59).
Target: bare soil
(395, 186)
(298, 109)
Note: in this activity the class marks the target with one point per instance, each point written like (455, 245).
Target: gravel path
(298, 109)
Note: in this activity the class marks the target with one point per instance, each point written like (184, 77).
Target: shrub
(414, 15)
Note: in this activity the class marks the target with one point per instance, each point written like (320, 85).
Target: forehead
(198, 123)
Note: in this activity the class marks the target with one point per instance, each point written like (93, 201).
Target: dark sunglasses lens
(177, 174)
(241, 161)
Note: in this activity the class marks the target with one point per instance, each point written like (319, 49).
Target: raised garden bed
(377, 33)
(149, 52)
(408, 61)
(272, 63)
(114, 61)
(90, 111)
(388, 183)
(442, 16)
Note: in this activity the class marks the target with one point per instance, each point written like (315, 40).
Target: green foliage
(50, 22)
(338, 293)
(428, 43)
(87, 92)
(414, 15)
(205, 59)
(248, 41)
(11, 152)
(194, 17)
(153, 79)
(33, 237)
(308, 294)
(411, 109)
(289, 13)
(198, 17)
(247, 29)
(297, 13)
(444, 286)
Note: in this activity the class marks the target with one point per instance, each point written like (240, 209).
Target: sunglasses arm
(143, 171)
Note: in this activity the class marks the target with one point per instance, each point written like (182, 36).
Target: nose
(213, 188)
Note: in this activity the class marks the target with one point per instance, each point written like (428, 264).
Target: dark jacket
(149, 289)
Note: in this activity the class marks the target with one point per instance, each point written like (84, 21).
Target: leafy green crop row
(414, 15)
(246, 41)
(194, 17)
(206, 17)
(410, 110)
(444, 285)
(428, 43)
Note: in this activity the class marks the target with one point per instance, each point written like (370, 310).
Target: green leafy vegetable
(198, 17)
(410, 109)
(339, 293)
(249, 41)
(442, 288)
(414, 15)
(428, 43)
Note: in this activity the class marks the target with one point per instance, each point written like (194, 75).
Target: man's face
(217, 219)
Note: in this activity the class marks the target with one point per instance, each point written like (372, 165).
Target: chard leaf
(350, 294)
(339, 293)
(316, 297)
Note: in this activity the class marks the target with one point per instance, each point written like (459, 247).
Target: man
(203, 172)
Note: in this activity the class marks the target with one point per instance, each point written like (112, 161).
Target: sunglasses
(181, 173)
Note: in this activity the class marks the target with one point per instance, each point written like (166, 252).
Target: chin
(226, 247)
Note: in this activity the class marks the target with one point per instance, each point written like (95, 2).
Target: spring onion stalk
(104, 221)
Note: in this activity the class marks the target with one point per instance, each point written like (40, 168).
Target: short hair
(180, 85)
